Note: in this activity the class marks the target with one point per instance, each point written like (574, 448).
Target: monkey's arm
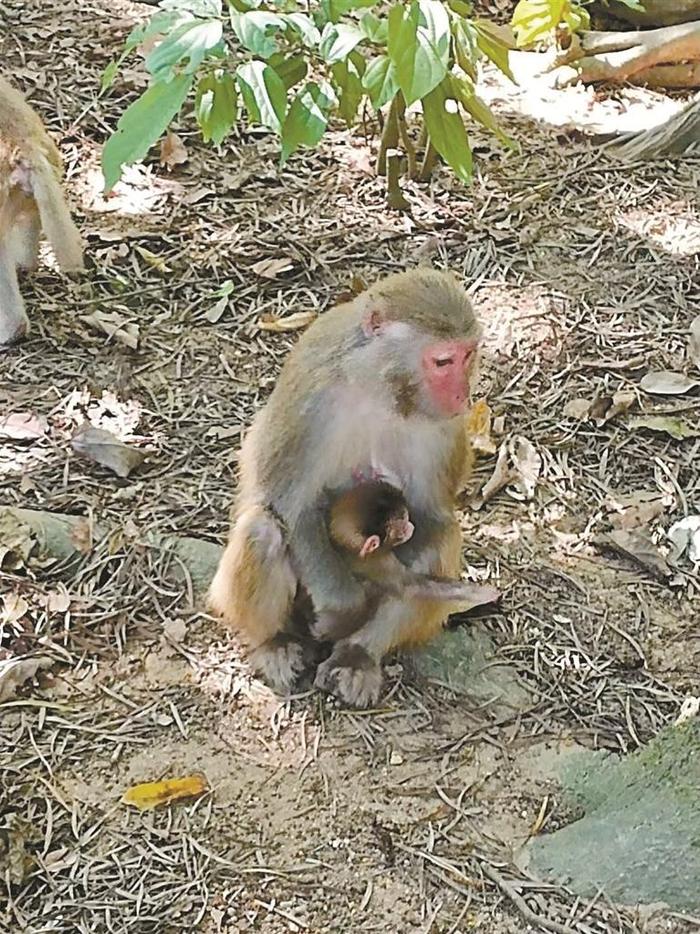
(323, 570)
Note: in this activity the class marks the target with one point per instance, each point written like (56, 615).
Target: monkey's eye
(443, 361)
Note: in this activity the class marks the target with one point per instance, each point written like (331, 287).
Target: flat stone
(639, 838)
(466, 660)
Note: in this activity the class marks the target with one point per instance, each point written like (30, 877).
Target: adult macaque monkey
(30, 200)
(375, 385)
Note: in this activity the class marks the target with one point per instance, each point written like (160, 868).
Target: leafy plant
(536, 20)
(291, 67)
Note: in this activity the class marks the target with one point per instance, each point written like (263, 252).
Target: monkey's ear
(371, 544)
(373, 322)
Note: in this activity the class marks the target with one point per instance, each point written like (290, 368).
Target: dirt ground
(408, 817)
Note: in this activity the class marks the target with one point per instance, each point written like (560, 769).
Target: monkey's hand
(351, 675)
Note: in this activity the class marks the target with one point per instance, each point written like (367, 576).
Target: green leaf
(494, 47)
(307, 119)
(216, 106)
(264, 94)
(159, 24)
(141, 124)
(291, 68)
(334, 10)
(109, 74)
(633, 5)
(466, 44)
(445, 127)
(375, 29)
(188, 43)
(338, 41)
(419, 46)
(254, 30)
(305, 27)
(534, 20)
(460, 7)
(380, 81)
(576, 19)
(481, 112)
(348, 79)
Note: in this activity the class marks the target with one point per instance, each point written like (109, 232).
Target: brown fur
(349, 394)
(31, 200)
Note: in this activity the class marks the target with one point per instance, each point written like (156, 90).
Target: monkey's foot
(279, 662)
(351, 675)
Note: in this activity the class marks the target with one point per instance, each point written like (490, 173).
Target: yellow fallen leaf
(479, 428)
(152, 260)
(149, 795)
(293, 322)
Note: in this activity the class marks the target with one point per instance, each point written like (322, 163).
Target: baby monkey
(368, 521)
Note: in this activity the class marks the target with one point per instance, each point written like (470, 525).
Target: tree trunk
(679, 135)
(632, 56)
(655, 13)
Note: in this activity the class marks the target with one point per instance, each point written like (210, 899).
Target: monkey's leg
(353, 672)
(14, 323)
(25, 240)
(253, 590)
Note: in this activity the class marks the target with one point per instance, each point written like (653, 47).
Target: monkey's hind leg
(14, 323)
(353, 671)
(253, 590)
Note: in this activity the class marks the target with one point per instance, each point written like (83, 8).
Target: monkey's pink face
(447, 370)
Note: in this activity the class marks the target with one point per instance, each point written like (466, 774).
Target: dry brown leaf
(223, 432)
(668, 383)
(607, 407)
(152, 794)
(640, 548)
(81, 536)
(106, 449)
(15, 671)
(175, 629)
(14, 608)
(216, 311)
(271, 268)
(694, 341)
(234, 181)
(172, 151)
(635, 510)
(685, 535)
(114, 325)
(15, 861)
(527, 463)
(577, 408)
(198, 194)
(152, 259)
(16, 542)
(295, 322)
(479, 428)
(23, 426)
(502, 475)
(58, 601)
(674, 427)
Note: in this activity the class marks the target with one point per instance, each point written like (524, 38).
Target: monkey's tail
(460, 595)
(56, 221)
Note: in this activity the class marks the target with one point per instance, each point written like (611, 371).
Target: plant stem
(429, 161)
(390, 136)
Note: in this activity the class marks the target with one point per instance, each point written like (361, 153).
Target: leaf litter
(302, 777)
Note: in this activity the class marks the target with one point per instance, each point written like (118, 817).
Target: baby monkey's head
(382, 516)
